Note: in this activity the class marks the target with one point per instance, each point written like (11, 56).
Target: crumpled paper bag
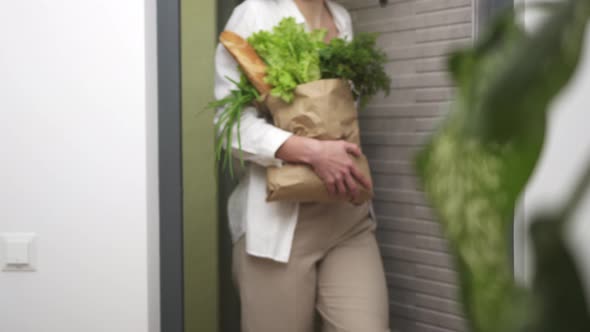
(324, 110)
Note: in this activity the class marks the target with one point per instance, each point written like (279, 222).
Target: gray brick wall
(416, 34)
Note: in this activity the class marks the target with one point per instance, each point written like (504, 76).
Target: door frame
(170, 167)
(200, 221)
(187, 176)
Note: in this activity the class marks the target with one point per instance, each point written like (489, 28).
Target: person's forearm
(299, 149)
(332, 161)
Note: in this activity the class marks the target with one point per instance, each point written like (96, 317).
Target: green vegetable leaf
(359, 61)
(232, 106)
(292, 55)
(295, 57)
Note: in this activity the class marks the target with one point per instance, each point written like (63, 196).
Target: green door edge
(198, 41)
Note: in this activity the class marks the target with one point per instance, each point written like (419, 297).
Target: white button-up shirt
(268, 226)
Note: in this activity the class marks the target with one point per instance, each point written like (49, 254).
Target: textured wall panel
(417, 35)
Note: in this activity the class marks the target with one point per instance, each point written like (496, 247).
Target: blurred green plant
(478, 163)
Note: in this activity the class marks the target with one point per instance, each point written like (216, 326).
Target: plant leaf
(478, 163)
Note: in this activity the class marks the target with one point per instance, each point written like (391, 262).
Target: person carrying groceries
(293, 260)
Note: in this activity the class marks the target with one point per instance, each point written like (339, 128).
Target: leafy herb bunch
(295, 56)
(358, 61)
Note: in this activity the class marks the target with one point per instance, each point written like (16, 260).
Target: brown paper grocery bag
(324, 110)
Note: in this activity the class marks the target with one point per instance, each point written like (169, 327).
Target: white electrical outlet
(18, 252)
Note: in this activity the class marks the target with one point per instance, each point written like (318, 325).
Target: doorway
(197, 291)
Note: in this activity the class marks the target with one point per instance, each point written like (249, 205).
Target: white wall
(77, 167)
(567, 151)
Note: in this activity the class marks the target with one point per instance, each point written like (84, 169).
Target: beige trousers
(335, 269)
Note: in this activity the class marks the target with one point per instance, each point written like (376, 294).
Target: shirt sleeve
(259, 140)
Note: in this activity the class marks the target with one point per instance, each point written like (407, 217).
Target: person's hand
(332, 161)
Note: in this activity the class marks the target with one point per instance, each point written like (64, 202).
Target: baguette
(252, 65)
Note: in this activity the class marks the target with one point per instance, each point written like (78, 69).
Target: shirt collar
(294, 11)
